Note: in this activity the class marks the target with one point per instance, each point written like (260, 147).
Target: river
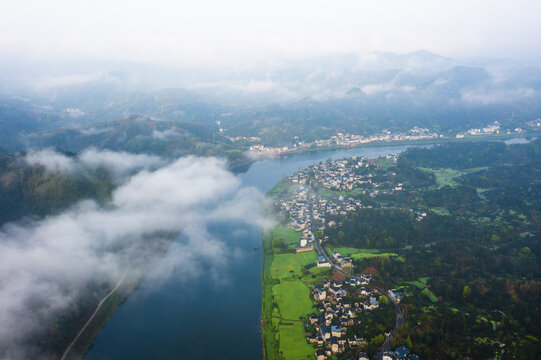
(217, 315)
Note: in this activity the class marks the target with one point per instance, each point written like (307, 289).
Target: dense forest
(470, 269)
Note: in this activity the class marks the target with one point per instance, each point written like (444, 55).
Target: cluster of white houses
(335, 175)
(400, 353)
(328, 329)
(345, 174)
(416, 133)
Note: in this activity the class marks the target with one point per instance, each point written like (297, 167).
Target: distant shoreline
(244, 166)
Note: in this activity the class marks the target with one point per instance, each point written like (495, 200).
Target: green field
(282, 188)
(288, 265)
(286, 296)
(430, 295)
(446, 176)
(385, 163)
(359, 254)
(293, 343)
(421, 285)
(289, 236)
(293, 299)
(417, 284)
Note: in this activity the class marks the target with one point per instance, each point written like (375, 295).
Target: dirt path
(92, 317)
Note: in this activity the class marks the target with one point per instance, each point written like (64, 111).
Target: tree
(409, 344)
(466, 292)
(377, 340)
(278, 242)
(525, 252)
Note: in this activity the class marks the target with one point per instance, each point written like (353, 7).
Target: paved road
(386, 346)
(319, 249)
(92, 317)
(399, 316)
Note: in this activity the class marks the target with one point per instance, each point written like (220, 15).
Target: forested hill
(473, 154)
(28, 190)
(466, 233)
(135, 134)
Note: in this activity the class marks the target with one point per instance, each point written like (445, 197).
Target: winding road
(399, 319)
(102, 301)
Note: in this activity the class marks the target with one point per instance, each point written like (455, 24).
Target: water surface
(216, 316)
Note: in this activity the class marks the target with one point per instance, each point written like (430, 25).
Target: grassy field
(430, 295)
(293, 299)
(386, 163)
(287, 265)
(293, 343)
(286, 297)
(359, 254)
(446, 177)
(289, 236)
(421, 285)
(417, 284)
(283, 187)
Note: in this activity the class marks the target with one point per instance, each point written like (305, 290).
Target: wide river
(216, 316)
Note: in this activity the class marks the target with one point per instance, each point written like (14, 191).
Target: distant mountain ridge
(135, 134)
(309, 98)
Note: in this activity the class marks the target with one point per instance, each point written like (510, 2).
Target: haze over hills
(151, 152)
(310, 98)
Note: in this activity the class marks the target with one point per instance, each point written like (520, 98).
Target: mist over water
(177, 318)
(159, 100)
(48, 264)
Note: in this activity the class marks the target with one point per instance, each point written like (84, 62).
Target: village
(356, 173)
(341, 140)
(329, 329)
(334, 328)
(347, 140)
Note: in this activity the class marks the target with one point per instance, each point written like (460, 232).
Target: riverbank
(470, 138)
(287, 279)
(81, 346)
(107, 307)
(245, 166)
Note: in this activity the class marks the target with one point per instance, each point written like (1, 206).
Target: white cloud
(374, 89)
(165, 134)
(498, 96)
(51, 160)
(94, 130)
(121, 163)
(49, 81)
(46, 264)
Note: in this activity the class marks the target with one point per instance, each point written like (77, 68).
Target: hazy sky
(212, 31)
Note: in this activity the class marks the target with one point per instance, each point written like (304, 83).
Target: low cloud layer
(46, 265)
(119, 163)
(498, 96)
(374, 89)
